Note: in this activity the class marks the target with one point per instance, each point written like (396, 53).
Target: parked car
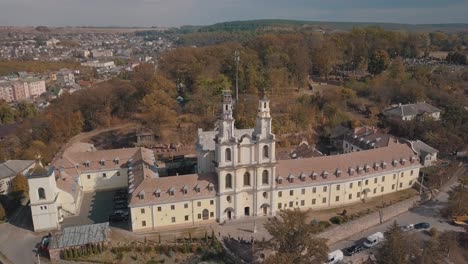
(373, 239)
(335, 257)
(122, 212)
(120, 206)
(422, 226)
(407, 228)
(353, 250)
(120, 202)
(117, 217)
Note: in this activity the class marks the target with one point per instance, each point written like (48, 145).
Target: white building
(417, 111)
(8, 171)
(65, 77)
(98, 64)
(7, 92)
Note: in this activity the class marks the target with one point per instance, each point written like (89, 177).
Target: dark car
(120, 206)
(353, 250)
(121, 192)
(119, 197)
(422, 226)
(120, 202)
(116, 217)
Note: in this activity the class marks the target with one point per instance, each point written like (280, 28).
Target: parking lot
(95, 208)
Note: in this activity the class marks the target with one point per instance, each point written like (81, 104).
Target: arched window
(205, 214)
(266, 153)
(228, 181)
(41, 193)
(247, 179)
(265, 177)
(228, 154)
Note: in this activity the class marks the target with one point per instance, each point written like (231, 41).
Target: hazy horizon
(168, 13)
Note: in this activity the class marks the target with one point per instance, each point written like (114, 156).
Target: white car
(373, 240)
(407, 228)
(335, 257)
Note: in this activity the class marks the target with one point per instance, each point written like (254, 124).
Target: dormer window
(197, 188)
(376, 166)
(290, 178)
(116, 160)
(141, 195)
(171, 191)
(412, 159)
(210, 187)
(157, 193)
(338, 173)
(351, 171)
(102, 162)
(314, 176)
(384, 165)
(279, 180)
(395, 163)
(325, 174)
(366, 168)
(87, 163)
(185, 189)
(302, 176)
(403, 161)
(359, 169)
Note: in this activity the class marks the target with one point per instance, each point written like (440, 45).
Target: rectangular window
(382, 189)
(104, 175)
(279, 205)
(211, 214)
(324, 200)
(375, 190)
(410, 183)
(359, 183)
(313, 201)
(411, 173)
(337, 187)
(186, 205)
(402, 174)
(358, 194)
(393, 186)
(375, 180)
(118, 173)
(337, 198)
(350, 196)
(186, 218)
(173, 219)
(211, 202)
(143, 223)
(280, 194)
(198, 204)
(172, 207)
(199, 216)
(142, 210)
(383, 178)
(89, 176)
(45, 207)
(303, 191)
(401, 185)
(302, 202)
(314, 190)
(159, 208)
(158, 194)
(394, 176)
(291, 192)
(366, 182)
(351, 185)
(324, 188)
(291, 204)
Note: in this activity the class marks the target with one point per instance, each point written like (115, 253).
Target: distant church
(238, 176)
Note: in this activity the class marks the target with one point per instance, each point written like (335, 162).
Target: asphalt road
(428, 212)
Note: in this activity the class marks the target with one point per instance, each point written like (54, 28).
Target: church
(237, 177)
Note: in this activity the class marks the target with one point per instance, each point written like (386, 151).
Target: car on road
(120, 206)
(122, 212)
(373, 239)
(116, 217)
(334, 257)
(407, 228)
(353, 250)
(422, 226)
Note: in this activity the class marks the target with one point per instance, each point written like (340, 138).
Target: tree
(26, 110)
(397, 247)
(397, 69)
(458, 198)
(293, 240)
(378, 62)
(19, 186)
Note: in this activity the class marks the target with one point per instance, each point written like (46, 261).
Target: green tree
(19, 186)
(378, 62)
(26, 110)
(7, 113)
(293, 240)
(397, 247)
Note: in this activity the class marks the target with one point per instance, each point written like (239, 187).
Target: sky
(204, 12)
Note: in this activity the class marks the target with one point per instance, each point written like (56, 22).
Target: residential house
(8, 171)
(417, 111)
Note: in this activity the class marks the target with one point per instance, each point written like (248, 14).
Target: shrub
(170, 253)
(433, 232)
(119, 256)
(147, 249)
(65, 254)
(338, 220)
(324, 224)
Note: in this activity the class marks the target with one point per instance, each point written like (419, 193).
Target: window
(142, 210)
(228, 184)
(393, 186)
(411, 173)
(324, 188)
(211, 202)
(382, 189)
(265, 177)
(303, 191)
(291, 204)
(375, 180)
(410, 183)
(158, 194)
(198, 204)
(173, 219)
(159, 208)
(41, 193)
(184, 191)
(358, 194)
(104, 175)
(383, 178)
(337, 187)
(375, 190)
(171, 192)
(367, 182)
(186, 205)
(211, 214)
(172, 207)
(280, 194)
(89, 176)
(313, 201)
(324, 200)
(394, 176)
(228, 154)
(186, 218)
(302, 202)
(247, 179)
(291, 192)
(266, 154)
(337, 198)
(265, 195)
(199, 216)
(351, 185)
(228, 198)
(143, 223)
(350, 196)
(359, 183)
(402, 174)
(279, 205)
(118, 173)
(314, 190)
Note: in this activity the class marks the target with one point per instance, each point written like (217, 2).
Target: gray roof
(421, 147)
(411, 109)
(11, 168)
(80, 235)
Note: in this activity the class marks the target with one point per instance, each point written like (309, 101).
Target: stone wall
(340, 232)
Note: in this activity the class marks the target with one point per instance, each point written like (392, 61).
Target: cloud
(180, 12)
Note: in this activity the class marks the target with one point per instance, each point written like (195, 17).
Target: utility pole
(237, 60)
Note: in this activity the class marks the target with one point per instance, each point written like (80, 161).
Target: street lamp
(237, 60)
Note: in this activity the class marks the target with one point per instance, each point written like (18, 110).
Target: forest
(368, 63)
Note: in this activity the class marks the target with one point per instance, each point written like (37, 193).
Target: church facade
(238, 176)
